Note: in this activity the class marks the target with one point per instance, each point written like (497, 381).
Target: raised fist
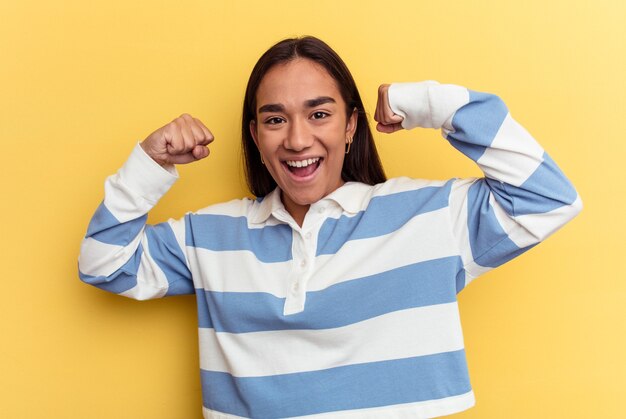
(388, 121)
(184, 140)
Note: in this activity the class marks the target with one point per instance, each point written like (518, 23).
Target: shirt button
(308, 236)
(295, 287)
(303, 263)
(321, 210)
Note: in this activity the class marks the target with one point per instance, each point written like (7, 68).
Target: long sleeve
(120, 253)
(522, 199)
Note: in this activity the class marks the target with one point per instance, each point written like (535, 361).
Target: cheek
(268, 141)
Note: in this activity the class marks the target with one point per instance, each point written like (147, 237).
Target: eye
(275, 120)
(319, 115)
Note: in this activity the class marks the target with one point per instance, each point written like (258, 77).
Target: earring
(349, 143)
(262, 161)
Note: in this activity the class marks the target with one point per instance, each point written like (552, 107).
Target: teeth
(301, 163)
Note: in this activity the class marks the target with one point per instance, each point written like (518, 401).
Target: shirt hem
(419, 410)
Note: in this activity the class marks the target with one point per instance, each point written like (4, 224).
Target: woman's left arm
(522, 198)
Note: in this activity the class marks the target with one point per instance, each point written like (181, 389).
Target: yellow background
(81, 82)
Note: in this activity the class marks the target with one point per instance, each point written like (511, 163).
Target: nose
(299, 136)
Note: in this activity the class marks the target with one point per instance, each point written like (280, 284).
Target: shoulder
(405, 184)
(234, 208)
(356, 197)
(255, 211)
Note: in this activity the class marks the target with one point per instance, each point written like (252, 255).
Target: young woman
(334, 292)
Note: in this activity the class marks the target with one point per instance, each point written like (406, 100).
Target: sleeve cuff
(427, 104)
(146, 177)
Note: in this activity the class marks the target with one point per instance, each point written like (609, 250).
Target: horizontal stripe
(122, 280)
(384, 215)
(221, 232)
(425, 237)
(425, 409)
(477, 123)
(239, 271)
(513, 155)
(357, 386)
(105, 228)
(400, 334)
(416, 285)
(167, 254)
(213, 414)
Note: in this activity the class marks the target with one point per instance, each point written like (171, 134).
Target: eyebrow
(272, 107)
(311, 103)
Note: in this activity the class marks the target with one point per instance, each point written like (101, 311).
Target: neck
(297, 211)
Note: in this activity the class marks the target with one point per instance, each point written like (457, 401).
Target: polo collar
(350, 197)
(264, 207)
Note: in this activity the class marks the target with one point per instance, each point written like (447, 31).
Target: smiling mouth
(303, 168)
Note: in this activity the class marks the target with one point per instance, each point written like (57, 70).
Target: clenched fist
(388, 121)
(184, 140)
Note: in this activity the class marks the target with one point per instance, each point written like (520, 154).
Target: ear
(352, 121)
(254, 133)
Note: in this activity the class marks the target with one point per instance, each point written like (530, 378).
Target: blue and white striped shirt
(354, 314)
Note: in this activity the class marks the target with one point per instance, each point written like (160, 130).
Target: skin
(300, 116)
(388, 122)
(182, 141)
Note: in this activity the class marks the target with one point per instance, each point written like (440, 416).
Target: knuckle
(173, 127)
(177, 146)
(170, 130)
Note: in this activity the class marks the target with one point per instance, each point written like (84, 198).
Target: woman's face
(301, 130)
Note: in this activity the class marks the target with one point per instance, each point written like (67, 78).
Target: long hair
(362, 164)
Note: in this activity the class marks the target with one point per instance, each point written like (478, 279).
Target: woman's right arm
(120, 253)
(523, 197)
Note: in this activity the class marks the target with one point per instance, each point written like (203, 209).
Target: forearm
(120, 253)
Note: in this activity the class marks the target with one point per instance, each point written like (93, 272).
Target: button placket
(303, 251)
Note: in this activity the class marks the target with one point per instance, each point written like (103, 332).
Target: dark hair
(362, 164)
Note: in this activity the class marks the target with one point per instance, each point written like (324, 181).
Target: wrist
(148, 151)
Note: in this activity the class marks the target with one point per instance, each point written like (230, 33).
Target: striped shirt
(354, 314)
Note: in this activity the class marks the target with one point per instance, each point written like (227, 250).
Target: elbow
(535, 228)
(573, 209)
(117, 282)
(577, 206)
(562, 216)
